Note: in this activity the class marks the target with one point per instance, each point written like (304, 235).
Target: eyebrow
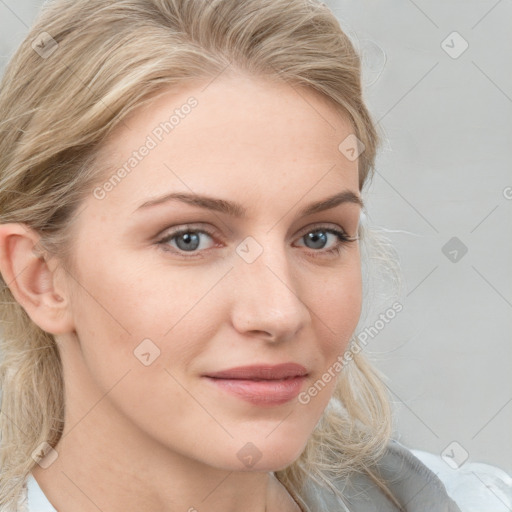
(237, 210)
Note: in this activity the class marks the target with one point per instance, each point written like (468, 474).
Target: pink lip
(261, 372)
(262, 384)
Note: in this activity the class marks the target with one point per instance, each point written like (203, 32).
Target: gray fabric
(415, 487)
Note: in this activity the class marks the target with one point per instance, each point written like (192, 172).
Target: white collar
(37, 501)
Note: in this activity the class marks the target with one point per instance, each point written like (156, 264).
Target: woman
(181, 194)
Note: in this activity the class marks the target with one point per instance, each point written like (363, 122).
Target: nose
(267, 299)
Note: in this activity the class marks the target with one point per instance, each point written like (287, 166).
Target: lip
(261, 372)
(261, 384)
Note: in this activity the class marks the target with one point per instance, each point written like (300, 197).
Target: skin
(159, 437)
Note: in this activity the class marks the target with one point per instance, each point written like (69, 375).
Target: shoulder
(474, 485)
(415, 486)
(424, 481)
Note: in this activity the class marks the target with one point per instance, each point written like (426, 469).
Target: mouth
(262, 385)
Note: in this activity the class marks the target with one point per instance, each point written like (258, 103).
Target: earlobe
(32, 278)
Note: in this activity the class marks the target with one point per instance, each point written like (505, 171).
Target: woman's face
(251, 280)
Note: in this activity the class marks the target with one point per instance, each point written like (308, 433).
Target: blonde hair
(59, 100)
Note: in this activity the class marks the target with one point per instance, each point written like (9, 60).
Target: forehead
(233, 137)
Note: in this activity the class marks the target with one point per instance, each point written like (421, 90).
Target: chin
(264, 455)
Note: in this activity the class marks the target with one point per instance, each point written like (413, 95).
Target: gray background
(443, 172)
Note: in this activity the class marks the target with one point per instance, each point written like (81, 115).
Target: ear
(33, 279)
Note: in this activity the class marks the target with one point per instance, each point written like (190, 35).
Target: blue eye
(188, 240)
(318, 237)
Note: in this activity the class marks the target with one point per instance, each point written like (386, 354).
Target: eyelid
(323, 225)
(183, 228)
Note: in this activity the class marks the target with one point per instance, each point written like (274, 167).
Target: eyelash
(343, 239)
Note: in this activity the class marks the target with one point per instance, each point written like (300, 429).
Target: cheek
(125, 310)
(121, 319)
(336, 307)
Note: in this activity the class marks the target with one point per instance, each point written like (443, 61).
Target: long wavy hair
(81, 69)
